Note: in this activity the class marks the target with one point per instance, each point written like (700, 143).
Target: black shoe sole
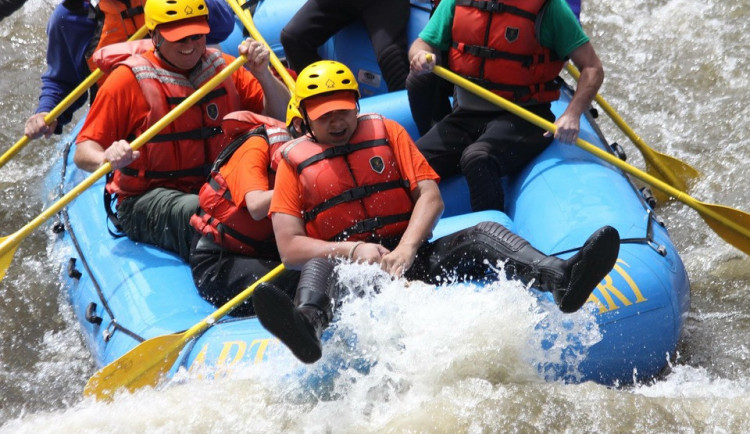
(277, 314)
(591, 264)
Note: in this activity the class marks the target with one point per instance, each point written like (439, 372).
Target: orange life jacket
(219, 218)
(117, 20)
(181, 155)
(495, 45)
(354, 191)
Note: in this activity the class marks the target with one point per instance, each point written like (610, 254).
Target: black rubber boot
(300, 327)
(571, 281)
(587, 268)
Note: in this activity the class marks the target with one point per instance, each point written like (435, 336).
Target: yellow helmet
(292, 111)
(166, 11)
(323, 77)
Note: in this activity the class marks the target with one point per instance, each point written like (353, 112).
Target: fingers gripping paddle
(147, 363)
(9, 244)
(247, 20)
(730, 224)
(65, 103)
(667, 168)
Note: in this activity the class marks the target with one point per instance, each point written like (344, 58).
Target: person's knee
(423, 85)
(293, 41)
(394, 64)
(288, 37)
(477, 154)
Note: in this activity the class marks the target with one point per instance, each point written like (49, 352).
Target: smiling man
(155, 187)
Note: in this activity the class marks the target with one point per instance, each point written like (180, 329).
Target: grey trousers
(160, 217)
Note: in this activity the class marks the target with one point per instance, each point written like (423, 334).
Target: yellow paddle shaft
(9, 242)
(65, 103)
(247, 20)
(645, 177)
(145, 364)
(649, 154)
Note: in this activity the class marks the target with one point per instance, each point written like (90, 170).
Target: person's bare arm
(258, 203)
(296, 248)
(428, 207)
(90, 155)
(592, 76)
(275, 94)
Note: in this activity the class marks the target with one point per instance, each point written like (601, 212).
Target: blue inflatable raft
(124, 293)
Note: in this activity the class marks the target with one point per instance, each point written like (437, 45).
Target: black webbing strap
(202, 170)
(338, 151)
(131, 12)
(496, 7)
(491, 53)
(355, 193)
(176, 100)
(201, 133)
(369, 225)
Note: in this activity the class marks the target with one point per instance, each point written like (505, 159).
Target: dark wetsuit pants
(385, 22)
(484, 147)
(220, 274)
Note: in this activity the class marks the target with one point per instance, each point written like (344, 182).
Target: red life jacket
(181, 155)
(354, 191)
(219, 218)
(117, 20)
(242, 121)
(495, 45)
(107, 58)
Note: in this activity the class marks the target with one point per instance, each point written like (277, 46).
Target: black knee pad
(484, 179)
(394, 64)
(287, 39)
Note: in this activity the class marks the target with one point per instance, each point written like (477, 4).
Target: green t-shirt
(560, 30)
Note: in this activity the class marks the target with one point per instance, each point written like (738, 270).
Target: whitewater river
(677, 70)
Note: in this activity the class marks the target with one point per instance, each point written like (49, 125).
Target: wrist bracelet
(354, 247)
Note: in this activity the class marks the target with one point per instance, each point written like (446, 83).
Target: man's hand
(257, 55)
(422, 62)
(568, 127)
(120, 154)
(35, 126)
(398, 261)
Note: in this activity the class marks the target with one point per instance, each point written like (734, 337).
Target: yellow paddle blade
(674, 172)
(681, 173)
(147, 363)
(142, 366)
(717, 216)
(6, 258)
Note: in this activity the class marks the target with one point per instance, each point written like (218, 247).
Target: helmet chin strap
(306, 121)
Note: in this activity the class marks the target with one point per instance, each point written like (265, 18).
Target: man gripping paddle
(155, 187)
